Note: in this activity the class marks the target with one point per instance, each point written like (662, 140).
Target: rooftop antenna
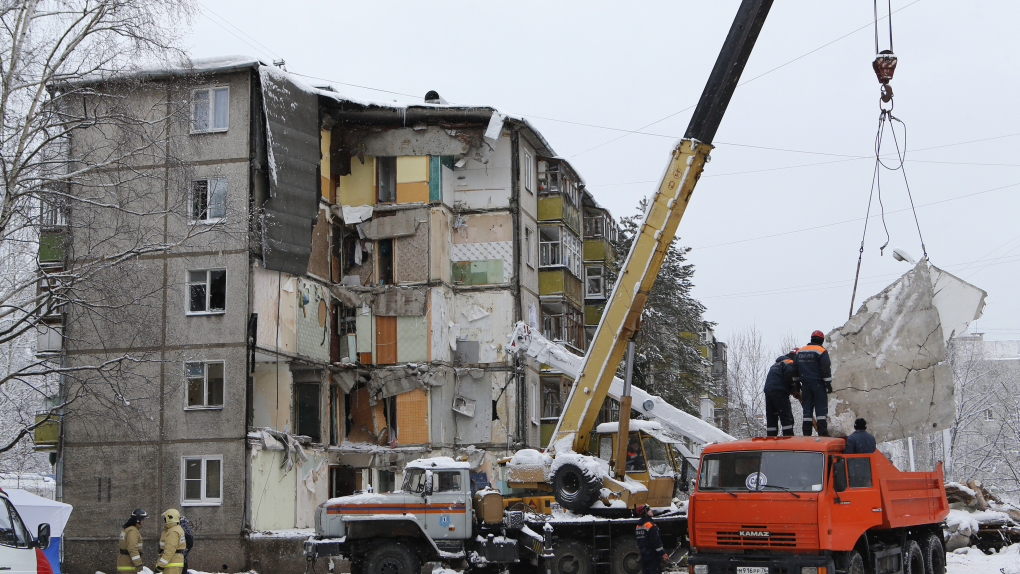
(281, 63)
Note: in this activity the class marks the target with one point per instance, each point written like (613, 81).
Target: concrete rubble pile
(979, 518)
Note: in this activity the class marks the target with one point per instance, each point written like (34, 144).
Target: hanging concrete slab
(400, 224)
(889, 361)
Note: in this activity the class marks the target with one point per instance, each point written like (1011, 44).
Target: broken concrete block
(889, 363)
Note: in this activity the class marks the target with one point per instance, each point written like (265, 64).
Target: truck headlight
(808, 570)
(700, 569)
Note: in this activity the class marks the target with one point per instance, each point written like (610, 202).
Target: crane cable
(884, 66)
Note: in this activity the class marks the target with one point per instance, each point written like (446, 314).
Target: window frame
(529, 172)
(205, 385)
(602, 282)
(187, 291)
(212, 109)
(192, 218)
(204, 500)
(989, 415)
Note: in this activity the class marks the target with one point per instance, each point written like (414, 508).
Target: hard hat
(139, 514)
(641, 509)
(172, 516)
(794, 350)
(818, 334)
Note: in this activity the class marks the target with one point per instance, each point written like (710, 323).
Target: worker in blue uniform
(815, 371)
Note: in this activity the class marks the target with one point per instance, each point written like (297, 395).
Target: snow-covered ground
(974, 561)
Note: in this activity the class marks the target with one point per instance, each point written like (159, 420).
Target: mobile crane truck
(798, 505)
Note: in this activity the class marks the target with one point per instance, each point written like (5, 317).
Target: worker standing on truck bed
(816, 383)
(861, 441)
(649, 542)
(780, 383)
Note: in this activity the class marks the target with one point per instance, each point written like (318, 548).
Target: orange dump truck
(798, 505)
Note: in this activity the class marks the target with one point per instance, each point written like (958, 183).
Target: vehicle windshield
(12, 530)
(659, 462)
(762, 471)
(414, 481)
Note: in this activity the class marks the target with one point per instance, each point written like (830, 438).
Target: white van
(20, 552)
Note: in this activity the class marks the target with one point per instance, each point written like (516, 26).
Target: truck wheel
(625, 556)
(572, 557)
(575, 490)
(913, 559)
(854, 563)
(391, 558)
(934, 555)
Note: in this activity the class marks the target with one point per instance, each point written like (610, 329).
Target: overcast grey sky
(776, 221)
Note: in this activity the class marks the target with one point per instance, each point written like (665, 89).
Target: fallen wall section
(889, 361)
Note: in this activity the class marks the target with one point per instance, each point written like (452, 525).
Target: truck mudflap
(323, 547)
(705, 563)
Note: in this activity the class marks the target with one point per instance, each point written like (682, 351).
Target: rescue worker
(189, 539)
(780, 383)
(816, 383)
(861, 441)
(171, 544)
(130, 558)
(649, 542)
(635, 461)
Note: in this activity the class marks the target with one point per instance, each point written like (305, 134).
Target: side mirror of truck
(43, 536)
(427, 491)
(839, 475)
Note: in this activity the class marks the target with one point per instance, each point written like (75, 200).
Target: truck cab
(798, 504)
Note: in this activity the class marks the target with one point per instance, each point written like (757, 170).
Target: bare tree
(748, 365)
(79, 206)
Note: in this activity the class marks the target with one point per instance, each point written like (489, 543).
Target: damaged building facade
(351, 317)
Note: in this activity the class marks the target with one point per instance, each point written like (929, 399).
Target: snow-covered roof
(437, 463)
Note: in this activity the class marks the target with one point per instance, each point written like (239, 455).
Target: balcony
(560, 282)
(558, 208)
(51, 247)
(47, 434)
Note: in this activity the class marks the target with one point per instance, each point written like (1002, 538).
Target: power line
(207, 9)
(855, 219)
(748, 81)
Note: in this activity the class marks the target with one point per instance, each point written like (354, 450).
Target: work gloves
(828, 387)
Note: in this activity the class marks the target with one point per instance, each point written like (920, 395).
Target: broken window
(529, 173)
(341, 481)
(528, 240)
(207, 291)
(563, 323)
(209, 110)
(558, 246)
(385, 248)
(209, 199)
(306, 396)
(387, 179)
(552, 402)
(594, 283)
(555, 180)
(205, 385)
(202, 480)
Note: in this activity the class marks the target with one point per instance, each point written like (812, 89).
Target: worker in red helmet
(815, 372)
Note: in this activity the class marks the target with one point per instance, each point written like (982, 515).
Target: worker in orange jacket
(815, 371)
(653, 555)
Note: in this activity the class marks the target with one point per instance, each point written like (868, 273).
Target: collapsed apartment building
(353, 320)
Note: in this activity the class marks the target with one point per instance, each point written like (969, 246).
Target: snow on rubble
(974, 561)
(979, 518)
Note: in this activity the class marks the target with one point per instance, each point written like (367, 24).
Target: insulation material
(400, 224)
(269, 305)
(318, 261)
(292, 138)
(412, 339)
(440, 318)
(439, 237)
(412, 256)
(413, 417)
(313, 320)
(358, 188)
(958, 302)
(366, 329)
(889, 361)
(402, 302)
(352, 214)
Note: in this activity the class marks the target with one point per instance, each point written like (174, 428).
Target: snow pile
(529, 465)
(284, 533)
(972, 560)
(363, 498)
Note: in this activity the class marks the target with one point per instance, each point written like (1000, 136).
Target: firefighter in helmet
(130, 557)
(171, 544)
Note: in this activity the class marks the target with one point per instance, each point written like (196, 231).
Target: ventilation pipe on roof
(433, 97)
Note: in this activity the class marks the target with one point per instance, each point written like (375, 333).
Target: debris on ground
(972, 561)
(979, 518)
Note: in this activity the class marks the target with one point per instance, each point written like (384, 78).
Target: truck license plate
(752, 570)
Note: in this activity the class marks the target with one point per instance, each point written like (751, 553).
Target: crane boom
(623, 313)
